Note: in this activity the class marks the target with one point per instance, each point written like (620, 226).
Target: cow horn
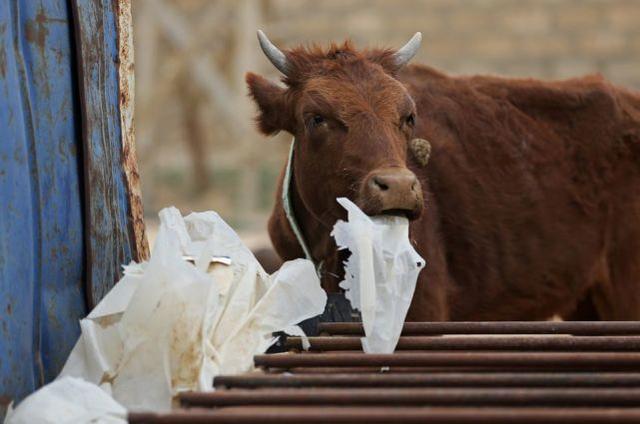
(406, 53)
(273, 53)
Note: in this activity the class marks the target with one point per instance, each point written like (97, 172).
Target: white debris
(170, 325)
(68, 400)
(380, 274)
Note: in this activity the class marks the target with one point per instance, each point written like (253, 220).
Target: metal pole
(406, 415)
(590, 328)
(470, 379)
(522, 343)
(554, 360)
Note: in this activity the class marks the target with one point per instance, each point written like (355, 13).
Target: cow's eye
(317, 120)
(410, 120)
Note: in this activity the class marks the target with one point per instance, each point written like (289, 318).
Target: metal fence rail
(586, 328)
(549, 360)
(433, 379)
(480, 372)
(349, 415)
(557, 343)
(402, 396)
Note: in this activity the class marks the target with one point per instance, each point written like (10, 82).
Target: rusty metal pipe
(416, 397)
(511, 377)
(502, 379)
(550, 360)
(523, 343)
(406, 415)
(587, 328)
(414, 369)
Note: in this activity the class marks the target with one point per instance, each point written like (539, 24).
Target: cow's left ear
(275, 113)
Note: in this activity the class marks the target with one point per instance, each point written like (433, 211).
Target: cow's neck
(289, 195)
(312, 235)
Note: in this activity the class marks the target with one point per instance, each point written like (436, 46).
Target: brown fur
(531, 191)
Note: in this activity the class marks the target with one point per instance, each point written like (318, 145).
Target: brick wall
(540, 38)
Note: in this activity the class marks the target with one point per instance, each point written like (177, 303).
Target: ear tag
(421, 150)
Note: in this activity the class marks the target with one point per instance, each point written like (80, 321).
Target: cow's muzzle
(393, 191)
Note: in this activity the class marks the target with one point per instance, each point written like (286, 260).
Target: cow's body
(532, 200)
(528, 207)
(536, 194)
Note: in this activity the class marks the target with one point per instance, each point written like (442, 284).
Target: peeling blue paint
(63, 201)
(41, 237)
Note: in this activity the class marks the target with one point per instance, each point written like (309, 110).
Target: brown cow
(531, 195)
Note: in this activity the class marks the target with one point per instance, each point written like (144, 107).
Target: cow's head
(352, 121)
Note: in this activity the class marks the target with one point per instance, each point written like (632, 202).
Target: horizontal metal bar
(424, 370)
(620, 379)
(586, 328)
(527, 343)
(406, 415)
(554, 360)
(416, 397)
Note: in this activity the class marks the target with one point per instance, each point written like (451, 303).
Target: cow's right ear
(275, 113)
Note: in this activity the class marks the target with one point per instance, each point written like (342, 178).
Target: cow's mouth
(375, 210)
(405, 213)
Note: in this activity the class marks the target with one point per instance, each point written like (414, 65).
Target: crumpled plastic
(380, 274)
(170, 325)
(68, 400)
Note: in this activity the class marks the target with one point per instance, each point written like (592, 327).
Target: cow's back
(532, 181)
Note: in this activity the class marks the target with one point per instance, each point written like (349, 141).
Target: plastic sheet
(380, 274)
(68, 401)
(170, 325)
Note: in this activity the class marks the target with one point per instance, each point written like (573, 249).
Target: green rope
(288, 207)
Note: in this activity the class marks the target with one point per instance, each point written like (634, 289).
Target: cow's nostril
(380, 184)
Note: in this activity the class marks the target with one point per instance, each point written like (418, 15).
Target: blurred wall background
(197, 146)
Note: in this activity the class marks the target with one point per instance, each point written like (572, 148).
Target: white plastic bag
(290, 298)
(380, 274)
(68, 401)
(170, 325)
